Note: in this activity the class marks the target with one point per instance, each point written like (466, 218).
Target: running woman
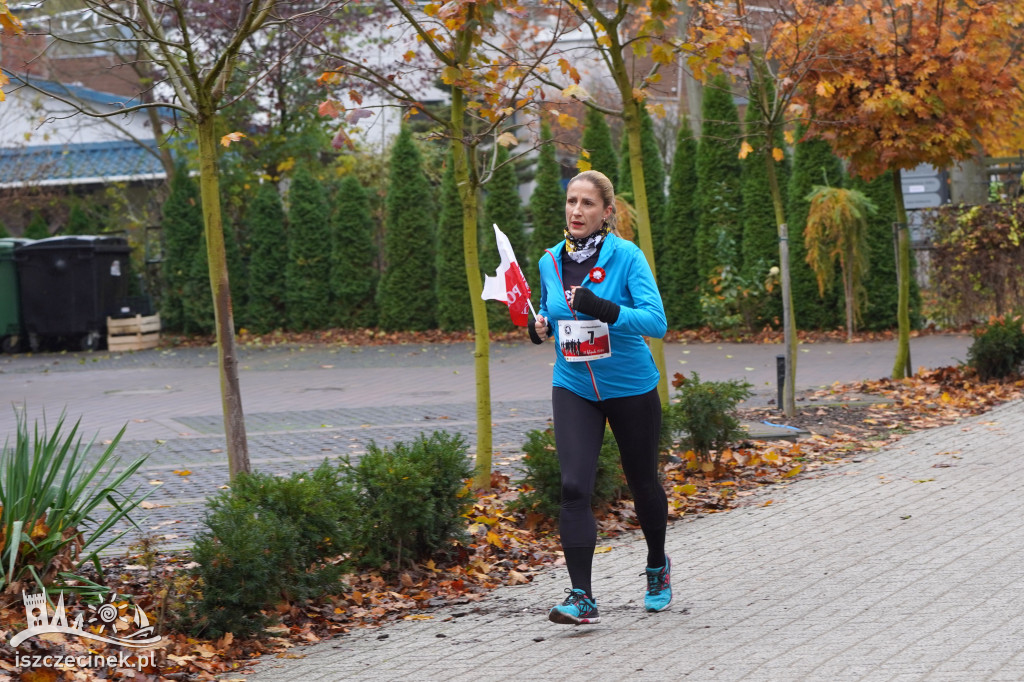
(598, 301)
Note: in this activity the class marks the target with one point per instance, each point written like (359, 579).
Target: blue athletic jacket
(629, 282)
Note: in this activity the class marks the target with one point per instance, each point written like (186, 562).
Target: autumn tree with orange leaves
(898, 83)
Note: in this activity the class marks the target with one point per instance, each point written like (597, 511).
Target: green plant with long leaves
(51, 492)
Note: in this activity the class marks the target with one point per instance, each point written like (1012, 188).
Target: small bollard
(780, 375)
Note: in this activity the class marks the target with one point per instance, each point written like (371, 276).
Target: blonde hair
(604, 187)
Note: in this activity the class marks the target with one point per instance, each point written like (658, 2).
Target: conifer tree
(880, 311)
(80, 222)
(597, 140)
(679, 280)
(406, 298)
(4, 232)
(502, 207)
(307, 273)
(813, 164)
(354, 272)
(197, 301)
(547, 206)
(719, 201)
(182, 227)
(37, 228)
(268, 241)
(654, 180)
(760, 243)
(453, 305)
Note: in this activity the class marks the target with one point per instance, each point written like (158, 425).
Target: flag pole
(531, 308)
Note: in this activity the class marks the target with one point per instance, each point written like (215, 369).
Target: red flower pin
(597, 275)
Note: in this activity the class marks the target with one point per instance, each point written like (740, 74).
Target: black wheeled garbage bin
(69, 285)
(11, 333)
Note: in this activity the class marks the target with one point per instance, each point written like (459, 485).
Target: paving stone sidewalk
(904, 564)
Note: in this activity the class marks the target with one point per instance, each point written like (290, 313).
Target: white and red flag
(508, 285)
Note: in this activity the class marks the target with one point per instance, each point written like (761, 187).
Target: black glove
(534, 336)
(589, 303)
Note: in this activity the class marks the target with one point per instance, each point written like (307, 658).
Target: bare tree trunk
(901, 367)
(231, 394)
(788, 319)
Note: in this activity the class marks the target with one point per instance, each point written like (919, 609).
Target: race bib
(584, 340)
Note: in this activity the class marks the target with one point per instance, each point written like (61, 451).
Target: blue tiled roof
(74, 164)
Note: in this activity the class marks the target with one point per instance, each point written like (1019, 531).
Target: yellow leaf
(788, 136)
(778, 154)
(507, 139)
(583, 165)
(419, 616)
(602, 550)
(567, 121)
(231, 137)
(450, 74)
(745, 149)
(688, 489)
(182, 472)
(494, 539)
(707, 467)
(576, 91)
(409, 56)
(662, 54)
(824, 89)
(794, 471)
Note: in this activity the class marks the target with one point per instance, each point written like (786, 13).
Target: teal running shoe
(659, 587)
(577, 609)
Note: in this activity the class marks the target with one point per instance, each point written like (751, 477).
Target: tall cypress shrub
(198, 297)
(308, 271)
(881, 283)
(678, 278)
(182, 227)
(4, 232)
(80, 222)
(354, 272)
(654, 180)
(502, 207)
(454, 311)
(547, 206)
(813, 164)
(719, 201)
(37, 227)
(268, 243)
(597, 140)
(407, 299)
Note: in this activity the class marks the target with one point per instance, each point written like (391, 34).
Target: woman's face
(585, 211)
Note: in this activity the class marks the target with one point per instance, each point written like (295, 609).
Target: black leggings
(579, 431)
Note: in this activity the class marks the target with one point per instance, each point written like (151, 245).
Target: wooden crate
(133, 333)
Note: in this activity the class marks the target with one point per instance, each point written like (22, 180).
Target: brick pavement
(904, 564)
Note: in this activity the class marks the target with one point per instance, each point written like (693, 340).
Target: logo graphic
(98, 622)
(597, 275)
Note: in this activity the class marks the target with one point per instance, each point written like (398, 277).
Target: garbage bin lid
(75, 242)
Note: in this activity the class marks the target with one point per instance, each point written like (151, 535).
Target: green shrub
(998, 349)
(270, 539)
(544, 478)
(703, 416)
(50, 497)
(411, 498)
